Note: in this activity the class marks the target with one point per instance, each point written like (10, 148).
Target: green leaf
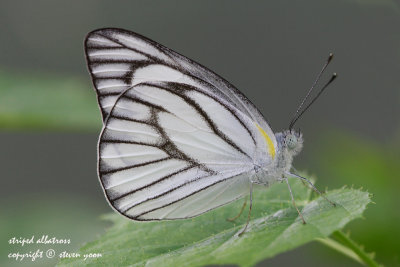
(210, 239)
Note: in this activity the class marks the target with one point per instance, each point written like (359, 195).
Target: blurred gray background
(271, 51)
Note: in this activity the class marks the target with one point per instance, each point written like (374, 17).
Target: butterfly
(177, 139)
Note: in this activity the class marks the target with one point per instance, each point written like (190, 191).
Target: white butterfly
(178, 140)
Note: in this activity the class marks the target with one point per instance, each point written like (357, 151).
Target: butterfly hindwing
(159, 145)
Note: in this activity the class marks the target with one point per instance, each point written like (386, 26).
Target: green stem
(329, 242)
(349, 248)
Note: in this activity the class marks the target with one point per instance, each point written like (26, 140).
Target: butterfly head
(293, 141)
(290, 141)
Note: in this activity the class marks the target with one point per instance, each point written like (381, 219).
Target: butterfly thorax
(289, 144)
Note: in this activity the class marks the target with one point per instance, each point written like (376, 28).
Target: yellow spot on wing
(271, 148)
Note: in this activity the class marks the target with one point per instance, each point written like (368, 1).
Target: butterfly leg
(294, 202)
(312, 186)
(302, 181)
(251, 204)
(240, 213)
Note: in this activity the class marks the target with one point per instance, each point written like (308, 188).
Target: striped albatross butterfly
(177, 139)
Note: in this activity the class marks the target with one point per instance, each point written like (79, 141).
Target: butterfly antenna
(334, 75)
(295, 115)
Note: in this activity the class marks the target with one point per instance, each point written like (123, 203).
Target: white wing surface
(178, 140)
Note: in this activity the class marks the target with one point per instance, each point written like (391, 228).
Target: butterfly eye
(291, 141)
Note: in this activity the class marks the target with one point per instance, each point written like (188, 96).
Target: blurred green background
(271, 51)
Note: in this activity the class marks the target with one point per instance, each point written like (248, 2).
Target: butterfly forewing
(178, 140)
